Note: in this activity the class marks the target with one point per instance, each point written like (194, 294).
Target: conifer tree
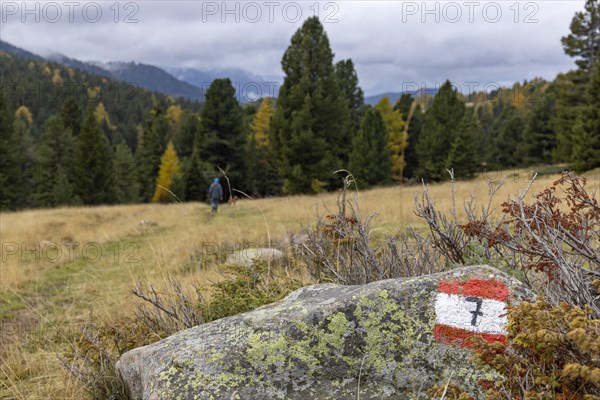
(410, 154)
(584, 40)
(351, 91)
(309, 130)
(221, 141)
(586, 147)
(126, 178)
(403, 105)
(183, 137)
(93, 170)
(570, 102)
(370, 159)
(397, 140)
(464, 156)
(54, 165)
(151, 147)
(168, 173)
(440, 126)
(507, 131)
(13, 191)
(71, 116)
(195, 178)
(539, 136)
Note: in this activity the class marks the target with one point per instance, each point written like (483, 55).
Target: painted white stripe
(455, 310)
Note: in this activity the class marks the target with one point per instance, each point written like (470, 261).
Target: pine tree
(370, 159)
(463, 156)
(440, 126)
(539, 136)
(93, 169)
(570, 101)
(168, 173)
(126, 178)
(54, 165)
(351, 91)
(586, 147)
(221, 141)
(397, 140)
(71, 116)
(584, 40)
(309, 130)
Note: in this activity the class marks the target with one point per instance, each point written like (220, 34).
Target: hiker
(215, 193)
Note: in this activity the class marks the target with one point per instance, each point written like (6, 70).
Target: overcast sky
(394, 44)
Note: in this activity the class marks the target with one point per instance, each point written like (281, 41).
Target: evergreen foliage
(93, 170)
(309, 131)
(370, 160)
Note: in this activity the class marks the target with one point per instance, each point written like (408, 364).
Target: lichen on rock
(321, 342)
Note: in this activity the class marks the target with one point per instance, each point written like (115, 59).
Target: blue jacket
(215, 191)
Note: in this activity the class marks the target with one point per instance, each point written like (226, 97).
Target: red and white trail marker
(474, 308)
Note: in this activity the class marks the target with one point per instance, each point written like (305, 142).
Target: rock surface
(247, 256)
(328, 341)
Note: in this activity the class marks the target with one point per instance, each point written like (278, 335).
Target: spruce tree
(351, 91)
(507, 132)
(54, 165)
(71, 116)
(464, 156)
(151, 147)
(220, 142)
(539, 136)
(93, 170)
(127, 183)
(12, 159)
(586, 147)
(309, 131)
(570, 102)
(410, 154)
(370, 159)
(195, 178)
(397, 140)
(168, 173)
(16, 157)
(440, 126)
(183, 137)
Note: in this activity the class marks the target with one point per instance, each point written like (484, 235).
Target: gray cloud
(391, 43)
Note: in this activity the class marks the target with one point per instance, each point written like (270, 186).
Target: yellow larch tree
(168, 172)
(397, 137)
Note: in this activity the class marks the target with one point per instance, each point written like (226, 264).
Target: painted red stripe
(453, 336)
(490, 289)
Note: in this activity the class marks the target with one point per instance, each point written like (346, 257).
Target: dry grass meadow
(61, 266)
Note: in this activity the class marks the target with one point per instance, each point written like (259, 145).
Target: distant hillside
(394, 96)
(73, 63)
(141, 75)
(43, 87)
(19, 52)
(153, 78)
(188, 83)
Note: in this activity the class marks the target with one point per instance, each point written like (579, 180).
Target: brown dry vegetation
(43, 292)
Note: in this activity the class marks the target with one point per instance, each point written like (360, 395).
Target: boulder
(390, 339)
(247, 256)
